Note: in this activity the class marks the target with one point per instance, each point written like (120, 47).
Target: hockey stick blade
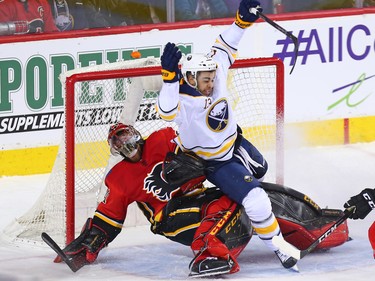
(50, 242)
(282, 30)
(289, 249)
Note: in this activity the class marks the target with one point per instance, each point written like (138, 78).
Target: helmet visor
(125, 142)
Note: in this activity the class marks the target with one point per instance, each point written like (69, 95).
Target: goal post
(98, 96)
(276, 93)
(70, 118)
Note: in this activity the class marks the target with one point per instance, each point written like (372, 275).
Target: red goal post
(98, 96)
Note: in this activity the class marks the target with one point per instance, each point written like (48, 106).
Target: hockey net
(98, 96)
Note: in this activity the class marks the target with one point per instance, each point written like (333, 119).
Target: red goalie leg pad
(338, 237)
(217, 249)
(300, 237)
(217, 214)
(371, 237)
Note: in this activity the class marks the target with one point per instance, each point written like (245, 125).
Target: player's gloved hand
(169, 63)
(364, 203)
(245, 15)
(85, 248)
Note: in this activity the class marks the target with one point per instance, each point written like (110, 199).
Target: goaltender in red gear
(167, 186)
(180, 210)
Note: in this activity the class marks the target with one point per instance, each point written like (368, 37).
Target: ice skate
(287, 261)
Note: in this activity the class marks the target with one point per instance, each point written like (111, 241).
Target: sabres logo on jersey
(218, 114)
(155, 183)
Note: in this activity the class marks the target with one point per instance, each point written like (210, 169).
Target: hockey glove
(245, 17)
(169, 63)
(85, 248)
(364, 203)
(180, 168)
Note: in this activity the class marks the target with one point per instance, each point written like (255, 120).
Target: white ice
(328, 175)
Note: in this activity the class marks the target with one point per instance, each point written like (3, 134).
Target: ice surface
(329, 175)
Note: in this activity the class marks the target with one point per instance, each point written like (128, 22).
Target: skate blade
(208, 274)
(294, 268)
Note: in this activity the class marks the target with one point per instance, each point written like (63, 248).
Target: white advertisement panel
(334, 76)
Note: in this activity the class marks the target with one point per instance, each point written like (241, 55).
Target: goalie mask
(124, 140)
(194, 63)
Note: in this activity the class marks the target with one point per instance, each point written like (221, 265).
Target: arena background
(329, 97)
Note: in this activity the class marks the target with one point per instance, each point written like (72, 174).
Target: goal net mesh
(127, 92)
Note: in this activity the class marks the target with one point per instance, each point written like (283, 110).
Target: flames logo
(156, 184)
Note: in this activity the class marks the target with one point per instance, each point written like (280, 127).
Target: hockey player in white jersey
(199, 105)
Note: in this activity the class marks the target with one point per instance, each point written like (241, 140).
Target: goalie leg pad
(224, 232)
(183, 215)
(302, 221)
(301, 237)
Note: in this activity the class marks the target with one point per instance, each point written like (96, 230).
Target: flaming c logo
(155, 183)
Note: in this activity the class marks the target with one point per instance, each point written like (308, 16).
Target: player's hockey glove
(85, 248)
(364, 203)
(244, 16)
(169, 63)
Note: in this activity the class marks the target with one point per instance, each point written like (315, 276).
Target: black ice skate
(211, 266)
(287, 261)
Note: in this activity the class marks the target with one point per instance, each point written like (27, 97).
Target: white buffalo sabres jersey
(206, 125)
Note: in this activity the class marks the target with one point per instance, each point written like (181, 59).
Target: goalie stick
(50, 242)
(289, 249)
(282, 30)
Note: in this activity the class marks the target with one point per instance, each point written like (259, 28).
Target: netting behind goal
(127, 91)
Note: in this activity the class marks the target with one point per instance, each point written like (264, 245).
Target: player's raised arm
(168, 101)
(226, 44)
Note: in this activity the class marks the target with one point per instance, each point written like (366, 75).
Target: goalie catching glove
(244, 16)
(169, 63)
(364, 202)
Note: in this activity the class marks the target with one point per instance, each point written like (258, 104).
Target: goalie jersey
(206, 125)
(139, 182)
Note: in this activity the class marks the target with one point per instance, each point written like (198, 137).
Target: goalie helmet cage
(98, 96)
